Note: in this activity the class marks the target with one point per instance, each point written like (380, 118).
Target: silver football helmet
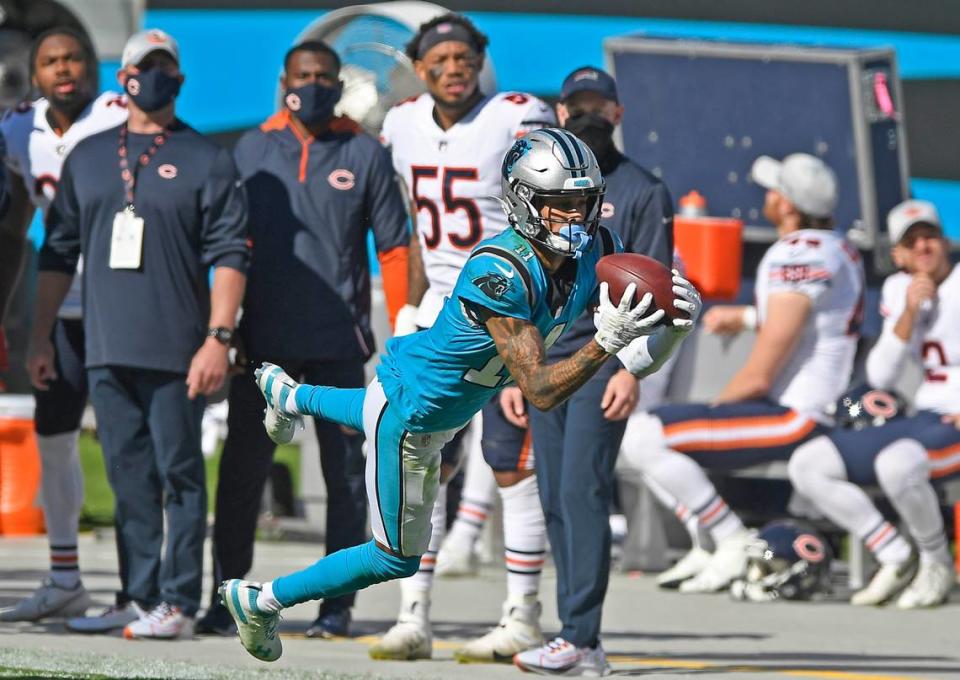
(553, 167)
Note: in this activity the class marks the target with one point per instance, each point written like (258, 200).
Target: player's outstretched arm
(521, 347)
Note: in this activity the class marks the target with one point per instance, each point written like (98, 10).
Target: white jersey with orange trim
(827, 269)
(935, 342)
(36, 152)
(453, 178)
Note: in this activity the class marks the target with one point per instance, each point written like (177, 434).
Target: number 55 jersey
(453, 178)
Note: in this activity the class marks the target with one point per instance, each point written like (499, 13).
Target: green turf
(98, 498)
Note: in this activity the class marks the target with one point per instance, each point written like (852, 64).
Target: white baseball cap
(805, 180)
(143, 43)
(909, 213)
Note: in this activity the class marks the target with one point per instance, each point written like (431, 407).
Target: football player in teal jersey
(516, 294)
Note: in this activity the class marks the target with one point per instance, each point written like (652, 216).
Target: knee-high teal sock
(341, 405)
(345, 571)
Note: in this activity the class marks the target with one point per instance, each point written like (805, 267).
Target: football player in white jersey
(920, 305)
(448, 146)
(809, 291)
(39, 136)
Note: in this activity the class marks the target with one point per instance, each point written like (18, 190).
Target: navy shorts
(735, 435)
(60, 408)
(506, 447)
(859, 448)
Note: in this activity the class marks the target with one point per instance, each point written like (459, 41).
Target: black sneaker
(217, 621)
(330, 624)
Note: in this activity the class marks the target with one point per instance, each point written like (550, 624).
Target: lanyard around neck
(129, 176)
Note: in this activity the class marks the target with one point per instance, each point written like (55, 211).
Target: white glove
(406, 322)
(687, 300)
(647, 354)
(618, 326)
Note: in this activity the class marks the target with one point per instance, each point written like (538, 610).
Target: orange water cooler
(711, 248)
(20, 511)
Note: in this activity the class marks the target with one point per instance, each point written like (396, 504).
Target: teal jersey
(440, 377)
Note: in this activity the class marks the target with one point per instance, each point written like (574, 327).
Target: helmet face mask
(788, 560)
(553, 191)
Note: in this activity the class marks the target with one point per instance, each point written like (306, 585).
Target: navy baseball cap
(589, 79)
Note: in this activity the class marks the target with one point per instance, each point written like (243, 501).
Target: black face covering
(152, 89)
(595, 131)
(314, 102)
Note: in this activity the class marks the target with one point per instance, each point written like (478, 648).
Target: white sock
(476, 502)
(886, 544)
(817, 471)
(903, 470)
(685, 481)
(678, 478)
(266, 601)
(689, 520)
(61, 485)
(422, 581)
(524, 537)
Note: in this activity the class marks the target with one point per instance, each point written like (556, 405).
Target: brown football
(622, 269)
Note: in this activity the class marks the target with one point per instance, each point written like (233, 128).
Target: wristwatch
(223, 334)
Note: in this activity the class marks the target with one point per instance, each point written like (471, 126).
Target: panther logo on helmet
(547, 168)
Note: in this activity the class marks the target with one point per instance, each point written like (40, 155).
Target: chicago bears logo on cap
(292, 101)
(342, 179)
(157, 36)
(167, 171)
(133, 86)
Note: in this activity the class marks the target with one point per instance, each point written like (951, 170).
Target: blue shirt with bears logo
(440, 377)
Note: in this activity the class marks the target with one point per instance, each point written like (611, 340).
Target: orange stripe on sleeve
(394, 272)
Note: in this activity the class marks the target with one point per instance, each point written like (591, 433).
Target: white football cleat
(889, 580)
(559, 657)
(518, 631)
(277, 387)
(687, 567)
(726, 564)
(455, 560)
(49, 601)
(930, 587)
(410, 637)
(257, 628)
(163, 622)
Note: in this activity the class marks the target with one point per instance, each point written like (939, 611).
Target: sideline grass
(98, 498)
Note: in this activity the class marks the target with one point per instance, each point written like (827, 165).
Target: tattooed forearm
(521, 348)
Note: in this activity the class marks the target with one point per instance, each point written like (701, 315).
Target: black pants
(60, 407)
(150, 432)
(576, 450)
(248, 457)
